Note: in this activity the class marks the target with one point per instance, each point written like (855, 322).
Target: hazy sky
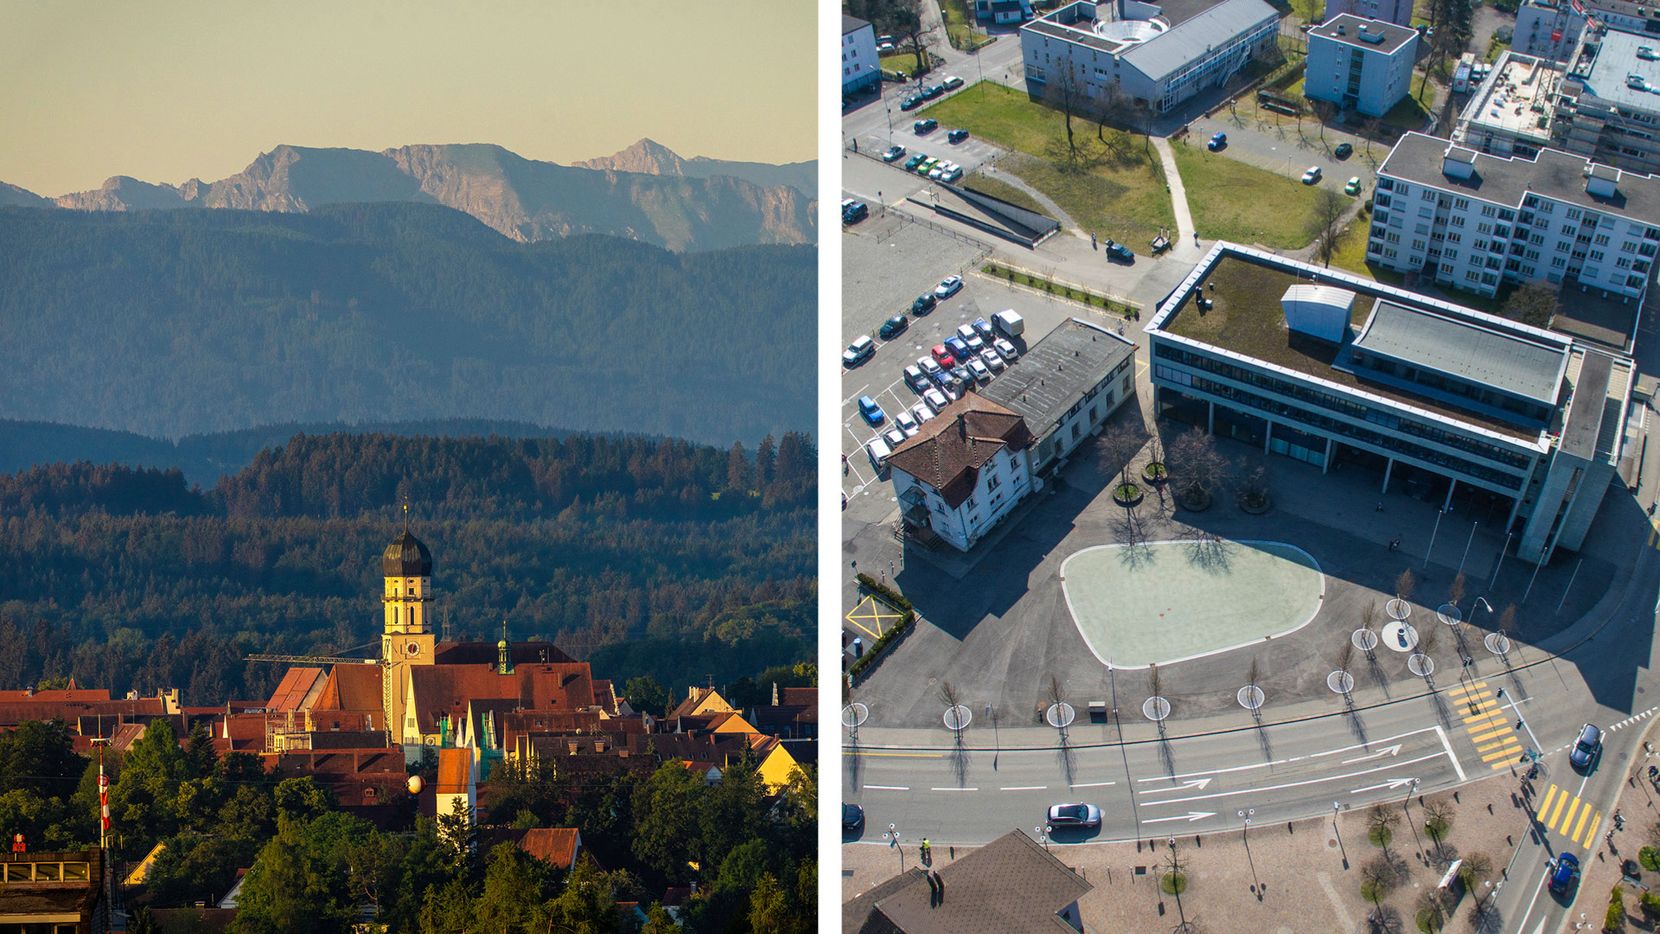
(167, 91)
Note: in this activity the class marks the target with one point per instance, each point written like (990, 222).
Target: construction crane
(317, 659)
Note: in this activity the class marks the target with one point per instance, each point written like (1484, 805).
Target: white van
(1009, 322)
(878, 450)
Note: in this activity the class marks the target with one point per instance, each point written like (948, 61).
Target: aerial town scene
(1246, 518)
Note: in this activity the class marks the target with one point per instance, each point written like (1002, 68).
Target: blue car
(871, 411)
(1564, 875)
(958, 348)
(1217, 141)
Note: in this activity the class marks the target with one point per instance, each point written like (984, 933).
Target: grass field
(1114, 188)
(903, 61)
(1276, 214)
(959, 25)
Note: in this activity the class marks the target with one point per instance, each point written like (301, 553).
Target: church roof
(406, 557)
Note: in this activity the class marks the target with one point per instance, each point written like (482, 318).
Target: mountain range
(645, 192)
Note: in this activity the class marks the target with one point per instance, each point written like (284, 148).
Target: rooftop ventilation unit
(1374, 36)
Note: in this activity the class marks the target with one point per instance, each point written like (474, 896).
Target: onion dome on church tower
(406, 557)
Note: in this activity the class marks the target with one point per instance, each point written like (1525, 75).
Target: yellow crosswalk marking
(1506, 741)
(1550, 795)
(1561, 802)
(1591, 834)
(1480, 720)
(1505, 754)
(1462, 690)
(1568, 819)
(1583, 817)
(1483, 734)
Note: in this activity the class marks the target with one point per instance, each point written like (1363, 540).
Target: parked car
(1218, 141)
(893, 327)
(854, 211)
(981, 373)
(915, 160)
(906, 422)
(928, 366)
(871, 411)
(878, 451)
(925, 126)
(959, 349)
(1312, 175)
(859, 351)
(948, 287)
(1344, 150)
(853, 818)
(1074, 815)
(952, 174)
(1118, 251)
(963, 376)
(982, 327)
(992, 360)
(956, 136)
(1352, 186)
(923, 412)
(952, 82)
(1005, 350)
(927, 165)
(893, 154)
(943, 356)
(894, 437)
(965, 330)
(923, 304)
(916, 379)
(911, 102)
(932, 91)
(1564, 874)
(934, 398)
(976, 344)
(1586, 749)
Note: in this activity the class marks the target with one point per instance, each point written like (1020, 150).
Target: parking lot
(899, 270)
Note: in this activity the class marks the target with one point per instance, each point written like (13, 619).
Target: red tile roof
(454, 771)
(295, 685)
(949, 451)
(75, 695)
(556, 846)
(351, 687)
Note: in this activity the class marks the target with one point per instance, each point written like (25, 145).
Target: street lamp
(892, 836)
(1042, 834)
(1246, 815)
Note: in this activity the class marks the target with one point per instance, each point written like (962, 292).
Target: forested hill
(130, 578)
(171, 323)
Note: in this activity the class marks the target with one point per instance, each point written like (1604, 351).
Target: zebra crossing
(1563, 812)
(1487, 724)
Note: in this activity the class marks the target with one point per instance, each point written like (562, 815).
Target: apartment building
(1359, 64)
(1398, 12)
(1608, 105)
(1511, 111)
(861, 68)
(1473, 221)
(1550, 29)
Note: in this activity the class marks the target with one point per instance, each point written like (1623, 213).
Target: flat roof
(853, 24)
(1606, 74)
(1247, 319)
(1557, 175)
(1056, 371)
(1351, 25)
(1508, 98)
(1469, 350)
(1584, 421)
(1196, 36)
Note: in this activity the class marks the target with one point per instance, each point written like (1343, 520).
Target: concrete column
(1331, 447)
(1452, 485)
(1210, 418)
(1267, 434)
(1388, 468)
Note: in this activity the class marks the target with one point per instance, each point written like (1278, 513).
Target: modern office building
(1149, 55)
(1550, 29)
(1359, 64)
(968, 468)
(1398, 12)
(861, 67)
(1464, 409)
(1608, 102)
(1473, 221)
(1510, 113)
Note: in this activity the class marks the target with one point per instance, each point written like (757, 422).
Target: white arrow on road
(1394, 750)
(1190, 817)
(1391, 785)
(1192, 784)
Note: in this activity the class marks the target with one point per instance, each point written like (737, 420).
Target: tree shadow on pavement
(1378, 676)
(959, 760)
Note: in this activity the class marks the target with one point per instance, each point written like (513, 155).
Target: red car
(943, 356)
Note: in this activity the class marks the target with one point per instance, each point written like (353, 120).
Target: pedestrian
(1380, 506)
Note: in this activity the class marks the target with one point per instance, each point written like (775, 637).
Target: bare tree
(1384, 919)
(1346, 657)
(1428, 637)
(1067, 94)
(1405, 585)
(1323, 112)
(1325, 224)
(1380, 823)
(1438, 815)
(1119, 445)
(1254, 673)
(1370, 127)
(1455, 590)
(948, 694)
(1377, 877)
(1368, 614)
(1199, 468)
(1431, 909)
(1155, 682)
(1507, 621)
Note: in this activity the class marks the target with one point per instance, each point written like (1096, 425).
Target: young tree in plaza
(1198, 469)
(1406, 584)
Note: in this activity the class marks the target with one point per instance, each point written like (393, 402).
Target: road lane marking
(1488, 726)
(895, 755)
(1315, 755)
(1189, 817)
(887, 788)
(1446, 744)
(954, 789)
(1199, 784)
(1391, 784)
(1394, 750)
(1462, 690)
(1284, 785)
(1024, 788)
(1091, 784)
(1569, 817)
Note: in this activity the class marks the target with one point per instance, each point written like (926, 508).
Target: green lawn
(998, 188)
(1114, 187)
(1351, 254)
(1275, 211)
(903, 61)
(1408, 114)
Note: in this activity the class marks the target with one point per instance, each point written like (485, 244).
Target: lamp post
(892, 836)
(1042, 834)
(1433, 532)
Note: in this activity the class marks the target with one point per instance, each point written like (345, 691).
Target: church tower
(407, 638)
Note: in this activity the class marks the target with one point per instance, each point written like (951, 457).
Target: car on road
(923, 412)
(911, 102)
(871, 411)
(916, 379)
(981, 373)
(948, 287)
(1005, 349)
(992, 360)
(1564, 875)
(956, 136)
(915, 160)
(906, 422)
(929, 366)
(959, 349)
(1344, 150)
(894, 153)
(1586, 748)
(1312, 175)
(1074, 815)
(1218, 141)
(951, 82)
(923, 304)
(943, 356)
(1119, 251)
(935, 399)
(859, 351)
(925, 126)
(853, 818)
(893, 327)
(1352, 186)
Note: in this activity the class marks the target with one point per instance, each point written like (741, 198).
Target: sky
(166, 91)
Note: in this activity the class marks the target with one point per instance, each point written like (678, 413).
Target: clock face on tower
(412, 648)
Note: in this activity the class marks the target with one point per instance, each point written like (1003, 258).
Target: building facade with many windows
(1359, 64)
(861, 67)
(1608, 101)
(1474, 221)
(1445, 402)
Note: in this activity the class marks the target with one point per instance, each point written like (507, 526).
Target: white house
(963, 472)
(861, 67)
(1359, 64)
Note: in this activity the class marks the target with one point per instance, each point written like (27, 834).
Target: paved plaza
(1164, 602)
